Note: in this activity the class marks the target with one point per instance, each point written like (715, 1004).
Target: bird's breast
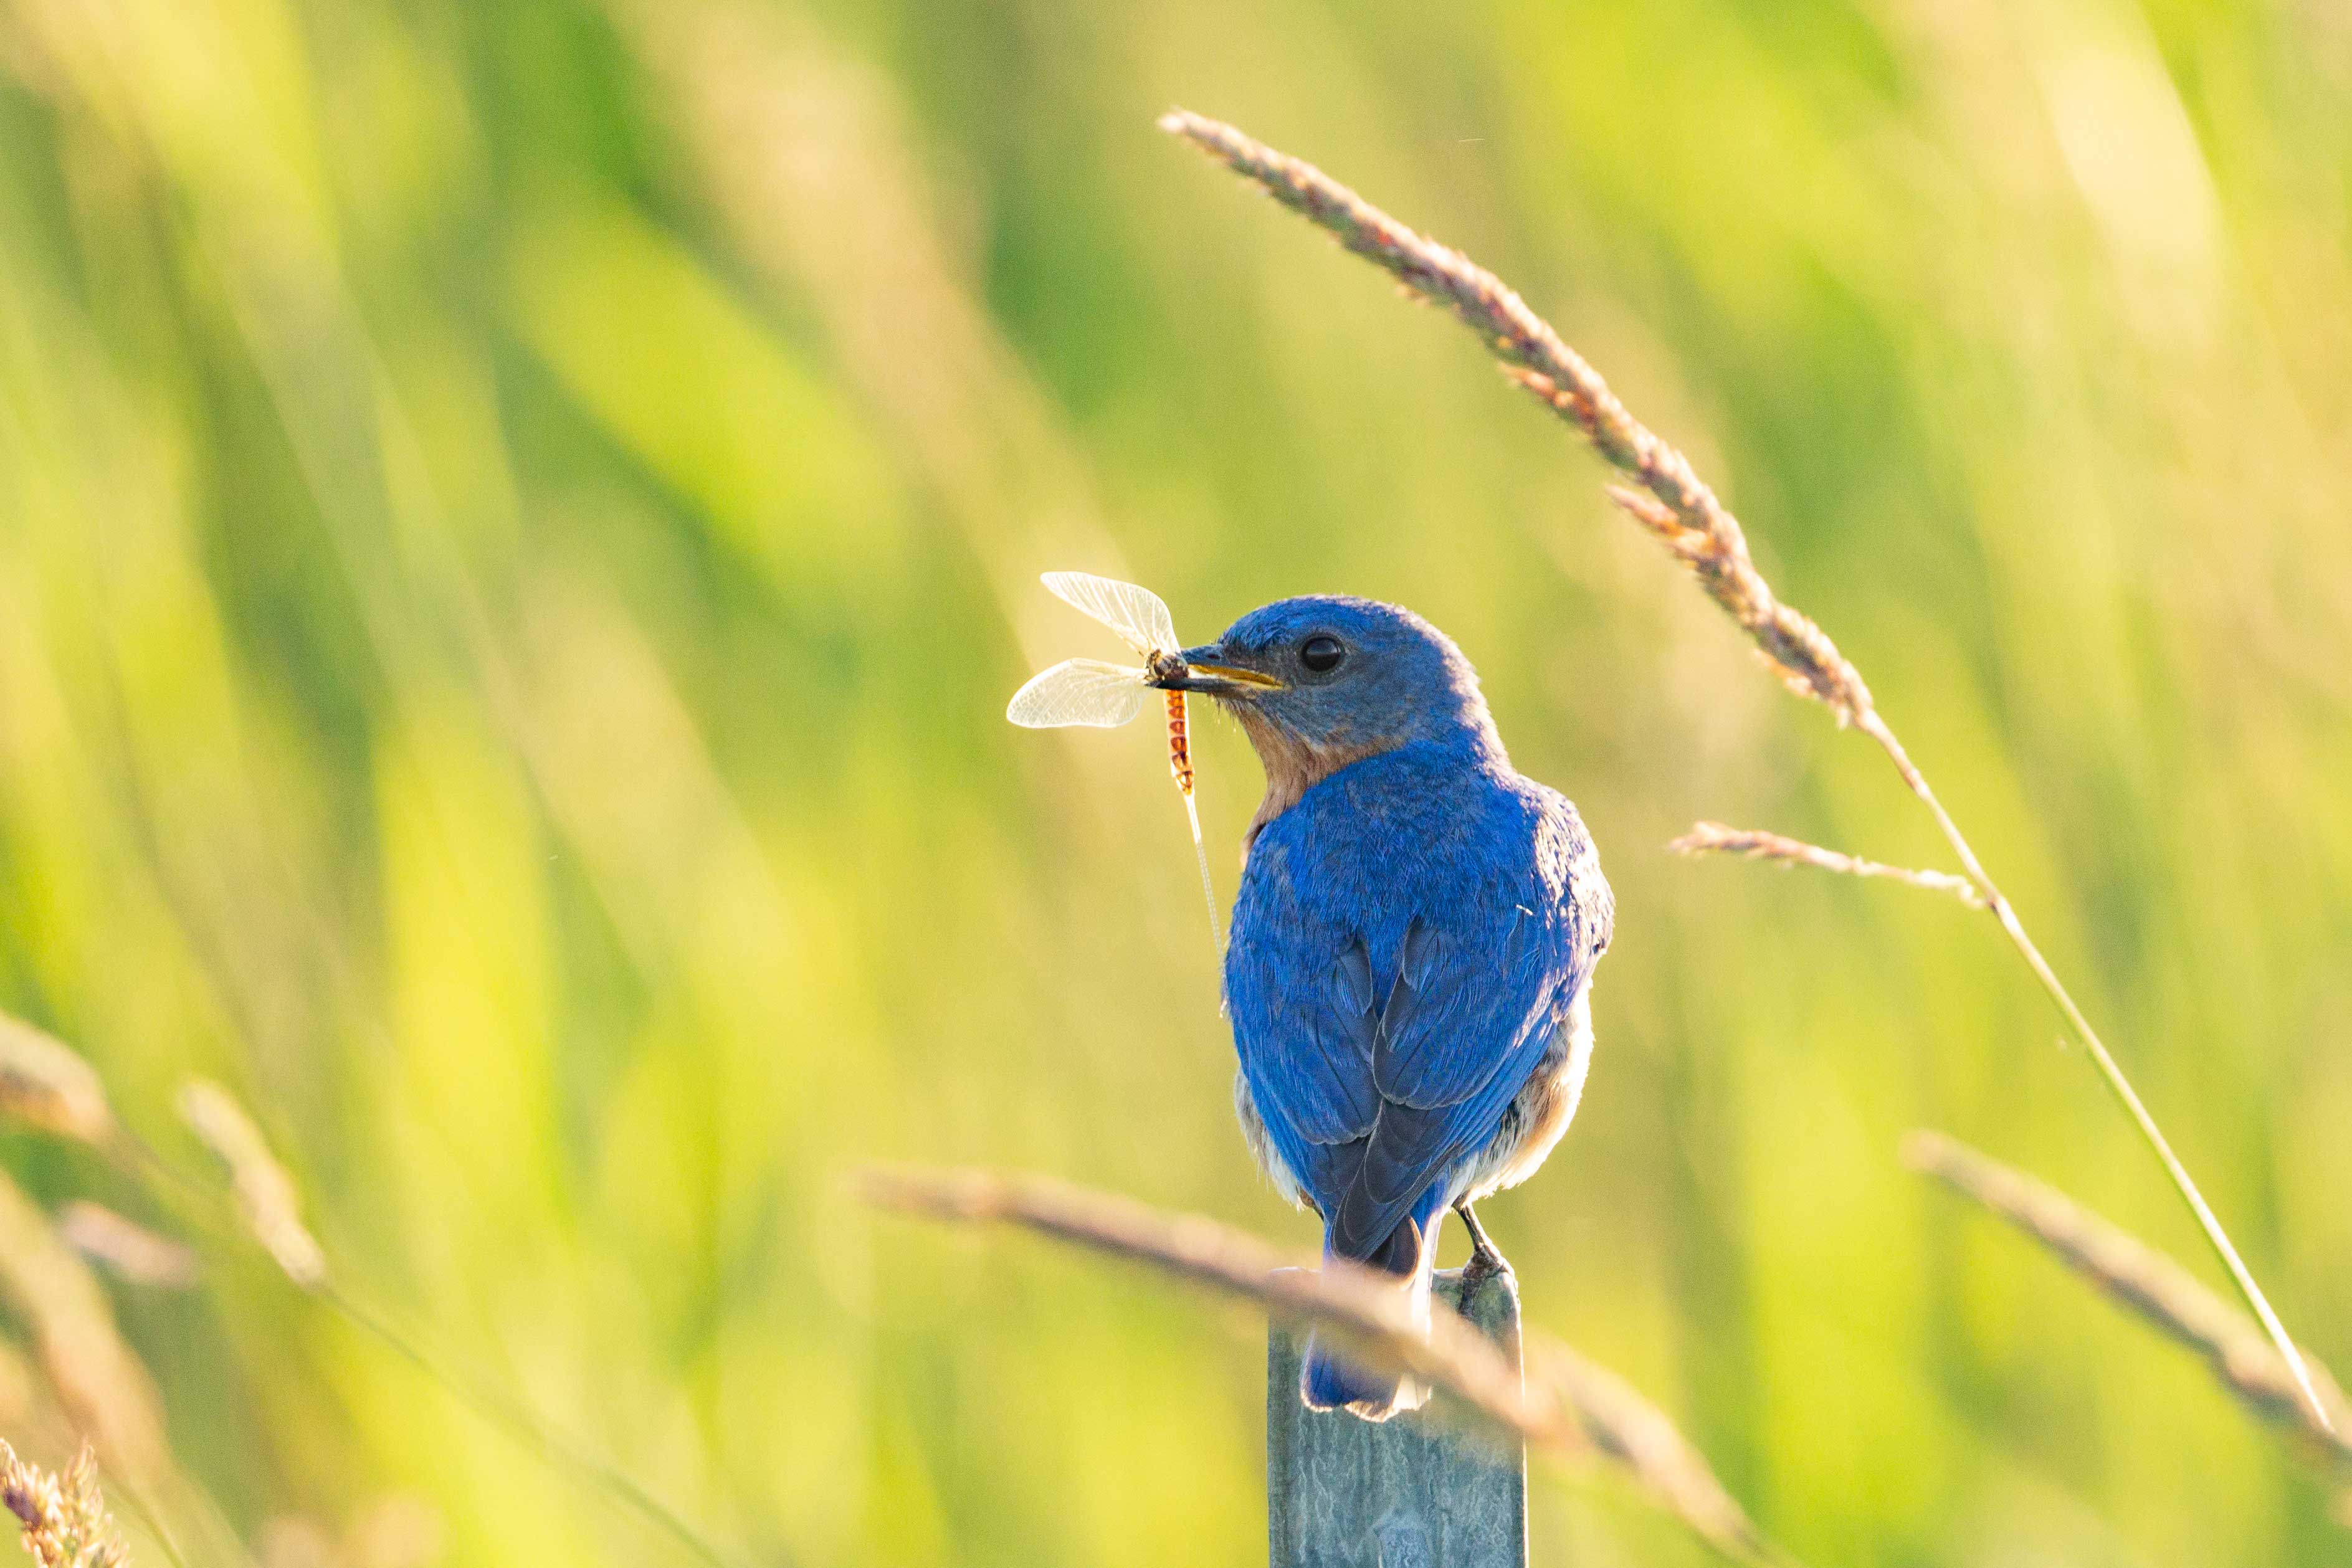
(1292, 763)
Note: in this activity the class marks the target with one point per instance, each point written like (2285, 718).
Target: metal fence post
(1418, 1492)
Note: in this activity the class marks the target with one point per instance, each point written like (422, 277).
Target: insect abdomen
(1179, 745)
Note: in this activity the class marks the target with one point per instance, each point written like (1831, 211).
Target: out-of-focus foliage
(517, 521)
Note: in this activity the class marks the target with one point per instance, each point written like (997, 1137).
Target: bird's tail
(1328, 1381)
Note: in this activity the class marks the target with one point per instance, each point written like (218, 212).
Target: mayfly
(1090, 692)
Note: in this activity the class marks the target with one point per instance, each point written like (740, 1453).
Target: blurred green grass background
(518, 522)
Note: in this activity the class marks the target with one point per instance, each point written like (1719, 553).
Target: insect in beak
(1089, 692)
(1206, 670)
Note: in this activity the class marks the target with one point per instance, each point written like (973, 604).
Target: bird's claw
(1483, 1264)
(1485, 1260)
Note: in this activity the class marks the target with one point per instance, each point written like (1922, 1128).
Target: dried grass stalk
(99, 1383)
(1672, 503)
(1636, 1435)
(124, 1248)
(1754, 843)
(2136, 1276)
(64, 1517)
(1566, 1407)
(266, 1196)
(1351, 1300)
(45, 1083)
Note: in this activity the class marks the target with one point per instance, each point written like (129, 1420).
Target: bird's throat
(1292, 763)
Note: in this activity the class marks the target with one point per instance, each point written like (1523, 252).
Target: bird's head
(1319, 682)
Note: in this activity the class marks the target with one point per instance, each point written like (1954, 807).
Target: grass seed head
(64, 1517)
(45, 1083)
(266, 1196)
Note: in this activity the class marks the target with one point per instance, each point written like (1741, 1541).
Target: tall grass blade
(1669, 500)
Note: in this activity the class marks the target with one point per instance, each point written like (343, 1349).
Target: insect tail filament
(1179, 763)
(1208, 889)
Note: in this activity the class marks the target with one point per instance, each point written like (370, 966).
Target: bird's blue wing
(1466, 1018)
(1299, 987)
(1383, 1043)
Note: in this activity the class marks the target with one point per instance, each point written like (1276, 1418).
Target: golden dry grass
(1702, 536)
(63, 1516)
(1565, 1407)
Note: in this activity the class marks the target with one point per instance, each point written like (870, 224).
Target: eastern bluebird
(1412, 948)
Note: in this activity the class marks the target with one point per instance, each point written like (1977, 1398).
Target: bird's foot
(1485, 1260)
(1485, 1264)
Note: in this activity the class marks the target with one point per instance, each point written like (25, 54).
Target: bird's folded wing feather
(1373, 1076)
(1465, 1020)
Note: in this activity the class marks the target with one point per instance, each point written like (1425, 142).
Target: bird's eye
(1321, 654)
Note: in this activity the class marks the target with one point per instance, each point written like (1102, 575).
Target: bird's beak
(1210, 669)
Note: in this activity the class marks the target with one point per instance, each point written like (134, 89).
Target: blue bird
(1413, 947)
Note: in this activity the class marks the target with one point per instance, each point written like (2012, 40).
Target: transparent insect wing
(1080, 691)
(1135, 614)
